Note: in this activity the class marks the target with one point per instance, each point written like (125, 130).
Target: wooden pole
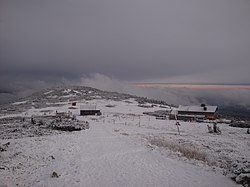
(177, 124)
(139, 121)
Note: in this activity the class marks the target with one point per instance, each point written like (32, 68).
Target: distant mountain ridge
(63, 94)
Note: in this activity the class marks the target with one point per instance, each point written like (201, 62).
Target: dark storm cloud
(131, 40)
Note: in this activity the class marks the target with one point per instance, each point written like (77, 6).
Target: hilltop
(58, 95)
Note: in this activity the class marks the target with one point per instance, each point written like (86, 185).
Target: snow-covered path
(101, 157)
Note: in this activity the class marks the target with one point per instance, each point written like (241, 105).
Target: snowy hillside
(61, 95)
(121, 147)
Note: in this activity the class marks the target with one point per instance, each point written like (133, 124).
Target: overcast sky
(131, 40)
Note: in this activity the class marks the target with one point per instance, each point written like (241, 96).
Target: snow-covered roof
(88, 107)
(208, 109)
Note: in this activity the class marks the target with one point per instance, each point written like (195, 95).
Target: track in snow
(101, 157)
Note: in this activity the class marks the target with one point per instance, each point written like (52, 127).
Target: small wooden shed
(86, 110)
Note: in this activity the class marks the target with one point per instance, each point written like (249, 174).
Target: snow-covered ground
(19, 103)
(116, 151)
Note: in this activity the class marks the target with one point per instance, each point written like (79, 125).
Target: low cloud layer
(15, 89)
(132, 40)
(176, 96)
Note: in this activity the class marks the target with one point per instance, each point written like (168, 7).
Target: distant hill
(56, 95)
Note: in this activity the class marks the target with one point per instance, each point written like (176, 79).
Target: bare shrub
(54, 175)
(188, 152)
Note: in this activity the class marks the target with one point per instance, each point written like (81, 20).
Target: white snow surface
(113, 152)
(70, 95)
(197, 109)
(66, 90)
(48, 92)
(20, 102)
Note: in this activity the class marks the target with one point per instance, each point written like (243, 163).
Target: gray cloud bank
(176, 96)
(172, 40)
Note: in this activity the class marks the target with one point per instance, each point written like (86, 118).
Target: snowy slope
(100, 157)
(115, 150)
